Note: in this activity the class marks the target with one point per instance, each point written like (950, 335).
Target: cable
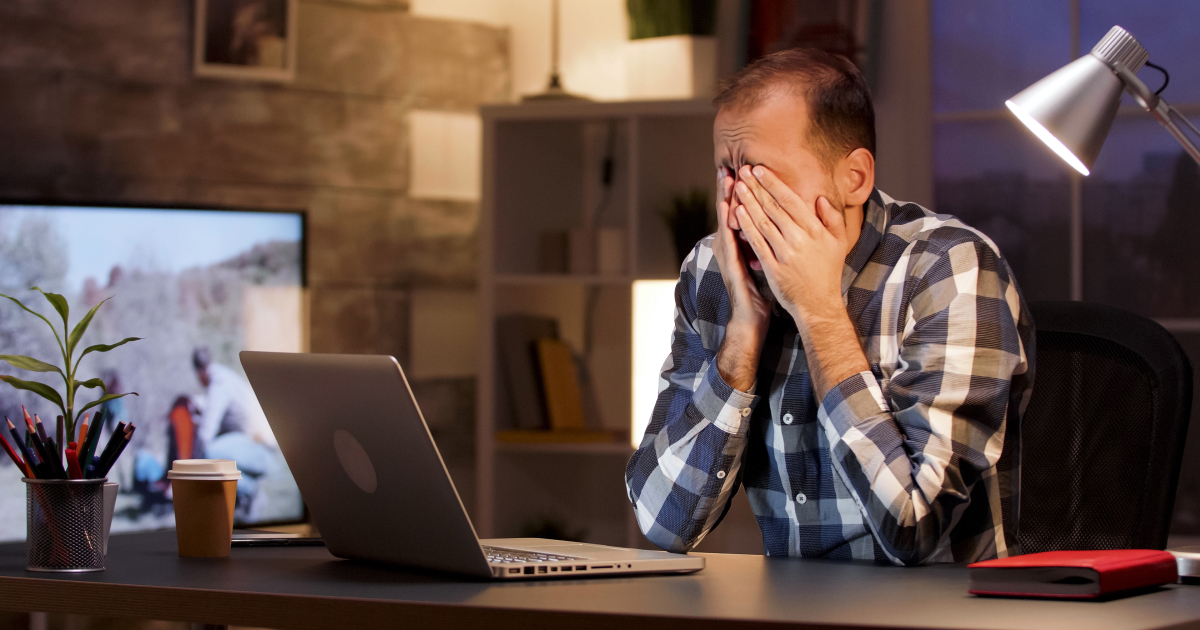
(1166, 77)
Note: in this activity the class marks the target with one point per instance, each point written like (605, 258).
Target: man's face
(773, 133)
(203, 375)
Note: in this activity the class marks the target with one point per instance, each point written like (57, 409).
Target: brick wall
(98, 104)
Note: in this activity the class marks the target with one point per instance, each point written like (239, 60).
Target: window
(1123, 235)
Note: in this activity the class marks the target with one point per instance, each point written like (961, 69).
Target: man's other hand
(738, 357)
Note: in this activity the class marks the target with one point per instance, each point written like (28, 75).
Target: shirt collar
(874, 226)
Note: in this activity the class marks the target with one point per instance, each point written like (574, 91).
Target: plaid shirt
(914, 461)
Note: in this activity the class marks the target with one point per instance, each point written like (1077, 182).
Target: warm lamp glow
(653, 324)
(1045, 136)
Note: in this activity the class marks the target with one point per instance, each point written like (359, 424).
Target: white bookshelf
(542, 171)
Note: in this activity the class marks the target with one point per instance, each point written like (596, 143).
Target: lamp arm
(1159, 108)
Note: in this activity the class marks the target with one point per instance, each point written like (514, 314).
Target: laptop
(377, 488)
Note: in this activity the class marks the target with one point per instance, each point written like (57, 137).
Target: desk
(308, 588)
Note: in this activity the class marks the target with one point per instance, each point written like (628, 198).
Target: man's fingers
(802, 212)
(757, 242)
(834, 221)
(764, 198)
(764, 221)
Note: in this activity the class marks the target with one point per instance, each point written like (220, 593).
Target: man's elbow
(662, 537)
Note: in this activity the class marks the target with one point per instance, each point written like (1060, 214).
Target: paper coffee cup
(204, 491)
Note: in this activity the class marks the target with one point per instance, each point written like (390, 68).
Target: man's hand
(738, 357)
(803, 247)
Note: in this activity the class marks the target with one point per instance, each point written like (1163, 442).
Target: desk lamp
(1072, 109)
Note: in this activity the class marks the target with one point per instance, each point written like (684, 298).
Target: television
(198, 286)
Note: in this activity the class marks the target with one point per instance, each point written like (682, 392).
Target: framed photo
(245, 39)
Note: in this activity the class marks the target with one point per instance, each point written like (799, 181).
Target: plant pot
(64, 525)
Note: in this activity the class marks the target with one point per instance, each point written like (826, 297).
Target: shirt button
(720, 474)
(801, 499)
(745, 412)
(787, 418)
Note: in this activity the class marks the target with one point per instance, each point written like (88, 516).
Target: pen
(16, 458)
(98, 462)
(58, 434)
(108, 464)
(89, 448)
(20, 446)
(73, 461)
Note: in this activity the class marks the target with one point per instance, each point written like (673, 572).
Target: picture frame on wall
(252, 40)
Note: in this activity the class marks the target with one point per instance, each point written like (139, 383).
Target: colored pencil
(43, 471)
(73, 462)
(20, 446)
(28, 421)
(56, 463)
(113, 441)
(41, 429)
(89, 447)
(83, 429)
(42, 455)
(59, 427)
(107, 465)
(15, 458)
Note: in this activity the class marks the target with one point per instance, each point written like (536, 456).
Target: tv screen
(198, 286)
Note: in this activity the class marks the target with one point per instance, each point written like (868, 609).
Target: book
(560, 385)
(516, 337)
(1073, 574)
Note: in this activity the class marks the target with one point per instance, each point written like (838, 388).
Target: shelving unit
(543, 171)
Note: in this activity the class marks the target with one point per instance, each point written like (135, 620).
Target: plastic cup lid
(204, 469)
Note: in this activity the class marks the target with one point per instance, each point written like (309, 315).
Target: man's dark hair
(841, 116)
(201, 358)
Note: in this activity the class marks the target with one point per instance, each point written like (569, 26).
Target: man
(232, 425)
(860, 365)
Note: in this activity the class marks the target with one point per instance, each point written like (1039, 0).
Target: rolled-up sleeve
(916, 446)
(681, 479)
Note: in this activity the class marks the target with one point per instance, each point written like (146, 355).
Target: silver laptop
(377, 488)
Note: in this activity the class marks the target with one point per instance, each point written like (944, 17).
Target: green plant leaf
(29, 363)
(100, 401)
(39, 316)
(91, 383)
(100, 347)
(81, 327)
(41, 389)
(57, 301)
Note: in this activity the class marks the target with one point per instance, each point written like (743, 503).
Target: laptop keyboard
(500, 555)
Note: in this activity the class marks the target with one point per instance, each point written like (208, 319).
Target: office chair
(1102, 437)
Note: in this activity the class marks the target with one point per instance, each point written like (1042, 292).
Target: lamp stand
(1159, 108)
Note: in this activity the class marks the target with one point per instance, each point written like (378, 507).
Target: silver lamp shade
(1072, 109)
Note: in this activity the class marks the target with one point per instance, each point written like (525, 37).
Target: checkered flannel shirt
(914, 461)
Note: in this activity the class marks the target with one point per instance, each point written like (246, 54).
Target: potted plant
(66, 514)
(690, 218)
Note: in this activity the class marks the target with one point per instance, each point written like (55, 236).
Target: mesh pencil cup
(64, 525)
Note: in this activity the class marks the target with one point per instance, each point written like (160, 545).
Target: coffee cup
(204, 491)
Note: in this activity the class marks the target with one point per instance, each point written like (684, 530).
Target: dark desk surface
(308, 588)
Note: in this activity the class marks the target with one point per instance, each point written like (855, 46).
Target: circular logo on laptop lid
(355, 461)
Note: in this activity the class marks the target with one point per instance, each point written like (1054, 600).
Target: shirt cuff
(854, 402)
(726, 407)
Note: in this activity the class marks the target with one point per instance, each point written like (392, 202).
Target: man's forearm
(737, 360)
(832, 348)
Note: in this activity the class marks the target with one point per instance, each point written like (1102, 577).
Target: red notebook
(1073, 574)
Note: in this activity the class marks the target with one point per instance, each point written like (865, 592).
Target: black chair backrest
(1102, 437)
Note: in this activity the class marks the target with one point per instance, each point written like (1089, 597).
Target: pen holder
(64, 525)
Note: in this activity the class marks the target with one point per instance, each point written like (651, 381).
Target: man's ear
(856, 177)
